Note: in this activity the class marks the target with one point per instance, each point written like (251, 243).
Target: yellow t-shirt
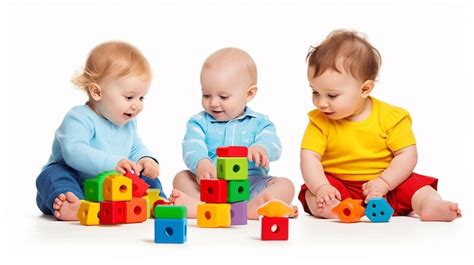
(359, 151)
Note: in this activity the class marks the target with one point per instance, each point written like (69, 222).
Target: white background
(427, 68)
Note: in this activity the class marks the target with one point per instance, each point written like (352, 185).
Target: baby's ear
(367, 87)
(95, 91)
(251, 92)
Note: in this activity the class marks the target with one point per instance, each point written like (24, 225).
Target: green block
(93, 187)
(238, 190)
(170, 212)
(232, 168)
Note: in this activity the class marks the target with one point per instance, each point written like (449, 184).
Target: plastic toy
(170, 224)
(238, 213)
(237, 190)
(213, 190)
(117, 188)
(274, 228)
(112, 213)
(213, 215)
(378, 210)
(135, 210)
(139, 186)
(232, 151)
(349, 210)
(88, 213)
(232, 168)
(275, 208)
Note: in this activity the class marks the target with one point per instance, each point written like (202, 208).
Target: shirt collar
(247, 113)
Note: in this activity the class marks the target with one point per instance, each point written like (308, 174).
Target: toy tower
(225, 197)
(113, 198)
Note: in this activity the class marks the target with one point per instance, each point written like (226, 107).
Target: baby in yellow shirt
(356, 146)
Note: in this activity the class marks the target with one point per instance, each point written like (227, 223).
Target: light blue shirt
(92, 144)
(204, 134)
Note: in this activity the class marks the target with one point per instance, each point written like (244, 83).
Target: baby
(229, 82)
(356, 146)
(102, 134)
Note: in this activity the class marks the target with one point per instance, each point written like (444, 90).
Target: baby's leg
(65, 206)
(277, 188)
(319, 209)
(427, 203)
(59, 191)
(186, 192)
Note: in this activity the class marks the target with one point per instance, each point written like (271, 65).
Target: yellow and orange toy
(349, 210)
(276, 208)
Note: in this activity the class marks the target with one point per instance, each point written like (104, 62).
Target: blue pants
(59, 178)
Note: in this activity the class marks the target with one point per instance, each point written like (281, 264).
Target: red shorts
(399, 198)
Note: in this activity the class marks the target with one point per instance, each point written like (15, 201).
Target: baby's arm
(195, 151)
(399, 170)
(315, 179)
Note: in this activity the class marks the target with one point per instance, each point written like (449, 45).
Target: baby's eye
(332, 96)
(129, 98)
(224, 97)
(142, 98)
(206, 96)
(315, 93)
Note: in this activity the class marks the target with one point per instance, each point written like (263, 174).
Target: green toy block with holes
(232, 168)
(170, 212)
(93, 186)
(238, 190)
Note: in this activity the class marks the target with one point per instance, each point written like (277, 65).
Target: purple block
(238, 213)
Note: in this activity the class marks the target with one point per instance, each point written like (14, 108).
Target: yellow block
(152, 196)
(117, 188)
(213, 215)
(88, 213)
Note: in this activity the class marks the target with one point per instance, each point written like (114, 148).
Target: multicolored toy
(275, 222)
(377, 210)
(170, 224)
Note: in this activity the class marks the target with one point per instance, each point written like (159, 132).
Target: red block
(232, 151)
(139, 186)
(112, 213)
(213, 190)
(274, 228)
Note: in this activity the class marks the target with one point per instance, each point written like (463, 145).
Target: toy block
(349, 210)
(237, 190)
(232, 151)
(213, 215)
(276, 208)
(112, 213)
(238, 213)
(232, 168)
(105, 174)
(170, 212)
(378, 210)
(139, 186)
(135, 210)
(213, 190)
(117, 188)
(153, 195)
(274, 228)
(88, 213)
(93, 189)
(170, 231)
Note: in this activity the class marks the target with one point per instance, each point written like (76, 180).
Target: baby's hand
(258, 155)
(149, 166)
(375, 188)
(125, 165)
(327, 194)
(205, 170)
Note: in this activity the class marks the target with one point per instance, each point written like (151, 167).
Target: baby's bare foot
(178, 197)
(65, 206)
(255, 203)
(326, 210)
(439, 210)
(295, 212)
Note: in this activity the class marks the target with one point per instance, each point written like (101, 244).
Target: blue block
(170, 230)
(378, 210)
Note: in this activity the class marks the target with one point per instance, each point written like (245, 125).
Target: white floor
(40, 239)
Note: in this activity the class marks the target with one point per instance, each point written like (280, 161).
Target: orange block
(136, 210)
(349, 210)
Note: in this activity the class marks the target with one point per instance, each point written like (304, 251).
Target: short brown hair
(349, 50)
(115, 58)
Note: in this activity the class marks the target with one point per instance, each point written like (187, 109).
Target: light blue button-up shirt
(91, 144)
(204, 134)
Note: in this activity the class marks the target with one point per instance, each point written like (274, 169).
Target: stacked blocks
(275, 222)
(109, 199)
(225, 198)
(170, 224)
(378, 210)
